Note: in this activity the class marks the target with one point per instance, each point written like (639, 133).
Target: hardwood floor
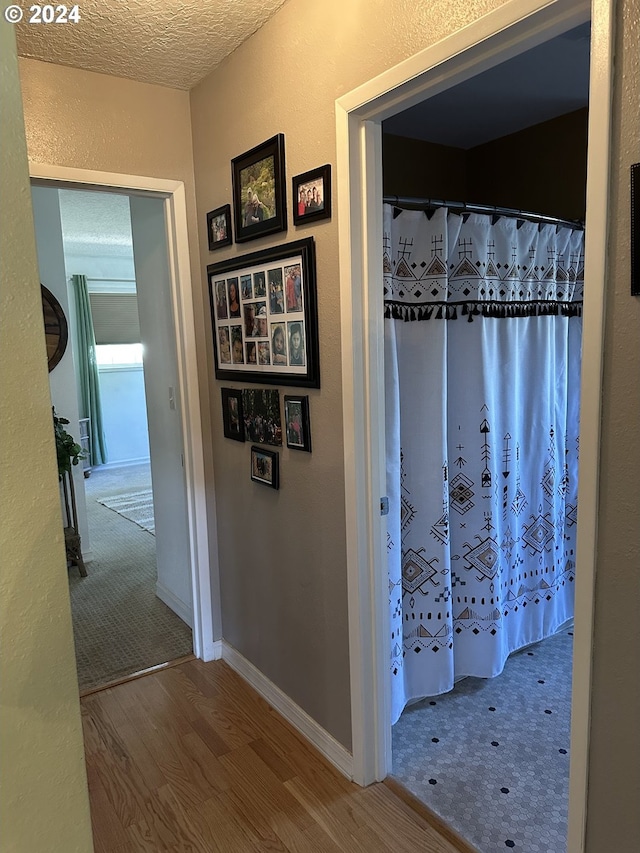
(192, 759)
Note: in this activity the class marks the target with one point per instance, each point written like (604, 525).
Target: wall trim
(179, 607)
(325, 743)
(214, 651)
(122, 463)
(120, 368)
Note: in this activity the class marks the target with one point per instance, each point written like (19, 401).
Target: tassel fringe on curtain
(482, 440)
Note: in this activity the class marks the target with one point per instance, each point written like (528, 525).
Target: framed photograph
(312, 195)
(219, 227)
(262, 421)
(296, 423)
(264, 316)
(232, 414)
(264, 467)
(259, 197)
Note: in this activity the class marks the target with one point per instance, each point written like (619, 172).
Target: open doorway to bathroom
(481, 737)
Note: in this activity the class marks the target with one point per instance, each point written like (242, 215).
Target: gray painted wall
(62, 379)
(163, 417)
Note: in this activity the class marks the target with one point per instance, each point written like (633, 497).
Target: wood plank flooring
(191, 759)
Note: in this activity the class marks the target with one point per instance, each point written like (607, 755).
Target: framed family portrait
(219, 227)
(264, 467)
(312, 195)
(264, 316)
(232, 413)
(259, 197)
(296, 420)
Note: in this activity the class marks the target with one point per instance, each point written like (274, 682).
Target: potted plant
(68, 451)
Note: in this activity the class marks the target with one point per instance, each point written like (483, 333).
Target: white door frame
(514, 27)
(204, 571)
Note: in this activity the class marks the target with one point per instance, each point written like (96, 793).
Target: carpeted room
(120, 625)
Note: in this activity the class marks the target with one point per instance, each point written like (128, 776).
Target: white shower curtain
(482, 351)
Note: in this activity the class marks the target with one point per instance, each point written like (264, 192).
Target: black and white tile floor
(492, 756)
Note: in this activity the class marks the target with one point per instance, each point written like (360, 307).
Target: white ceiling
(169, 42)
(96, 223)
(538, 85)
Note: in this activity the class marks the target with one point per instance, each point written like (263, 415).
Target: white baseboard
(212, 651)
(325, 743)
(184, 611)
(123, 463)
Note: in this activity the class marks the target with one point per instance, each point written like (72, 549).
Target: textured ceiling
(169, 42)
(96, 223)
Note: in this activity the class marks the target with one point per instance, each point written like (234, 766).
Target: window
(118, 355)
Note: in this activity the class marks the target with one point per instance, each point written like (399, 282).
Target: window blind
(115, 318)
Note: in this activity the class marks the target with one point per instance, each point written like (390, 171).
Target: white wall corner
(325, 743)
(184, 611)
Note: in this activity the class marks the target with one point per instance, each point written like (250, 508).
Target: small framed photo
(232, 414)
(296, 420)
(219, 227)
(312, 195)
(262, 421)
(264, 467)
(259, 196)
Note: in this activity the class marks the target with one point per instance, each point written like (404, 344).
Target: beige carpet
(136, 506)
(120, 625)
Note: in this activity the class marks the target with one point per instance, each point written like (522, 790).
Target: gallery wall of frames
(264, 320)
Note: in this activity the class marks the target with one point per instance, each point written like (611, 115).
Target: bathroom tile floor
(492, 756)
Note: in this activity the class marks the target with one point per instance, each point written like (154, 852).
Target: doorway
(159, 222)
(498, 36)
(466, 742)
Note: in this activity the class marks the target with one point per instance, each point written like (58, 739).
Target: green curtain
(88, 370)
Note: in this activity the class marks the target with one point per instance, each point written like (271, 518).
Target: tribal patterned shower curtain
(483, 334)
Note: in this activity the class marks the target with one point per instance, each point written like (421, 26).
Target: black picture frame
(265, 466)
(233, 413)
(297, 426)
(264, 316)
(635, 229)
(308, 188)
(259, 196)
(262, 418)
(219, 232)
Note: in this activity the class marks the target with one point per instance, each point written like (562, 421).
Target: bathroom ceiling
(169, 42)
(540, 84)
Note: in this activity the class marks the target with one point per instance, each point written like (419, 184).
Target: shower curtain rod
(466, 207)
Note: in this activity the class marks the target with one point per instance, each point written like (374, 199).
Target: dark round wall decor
(56, 330)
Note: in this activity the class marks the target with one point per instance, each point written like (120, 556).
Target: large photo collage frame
(264, 316)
